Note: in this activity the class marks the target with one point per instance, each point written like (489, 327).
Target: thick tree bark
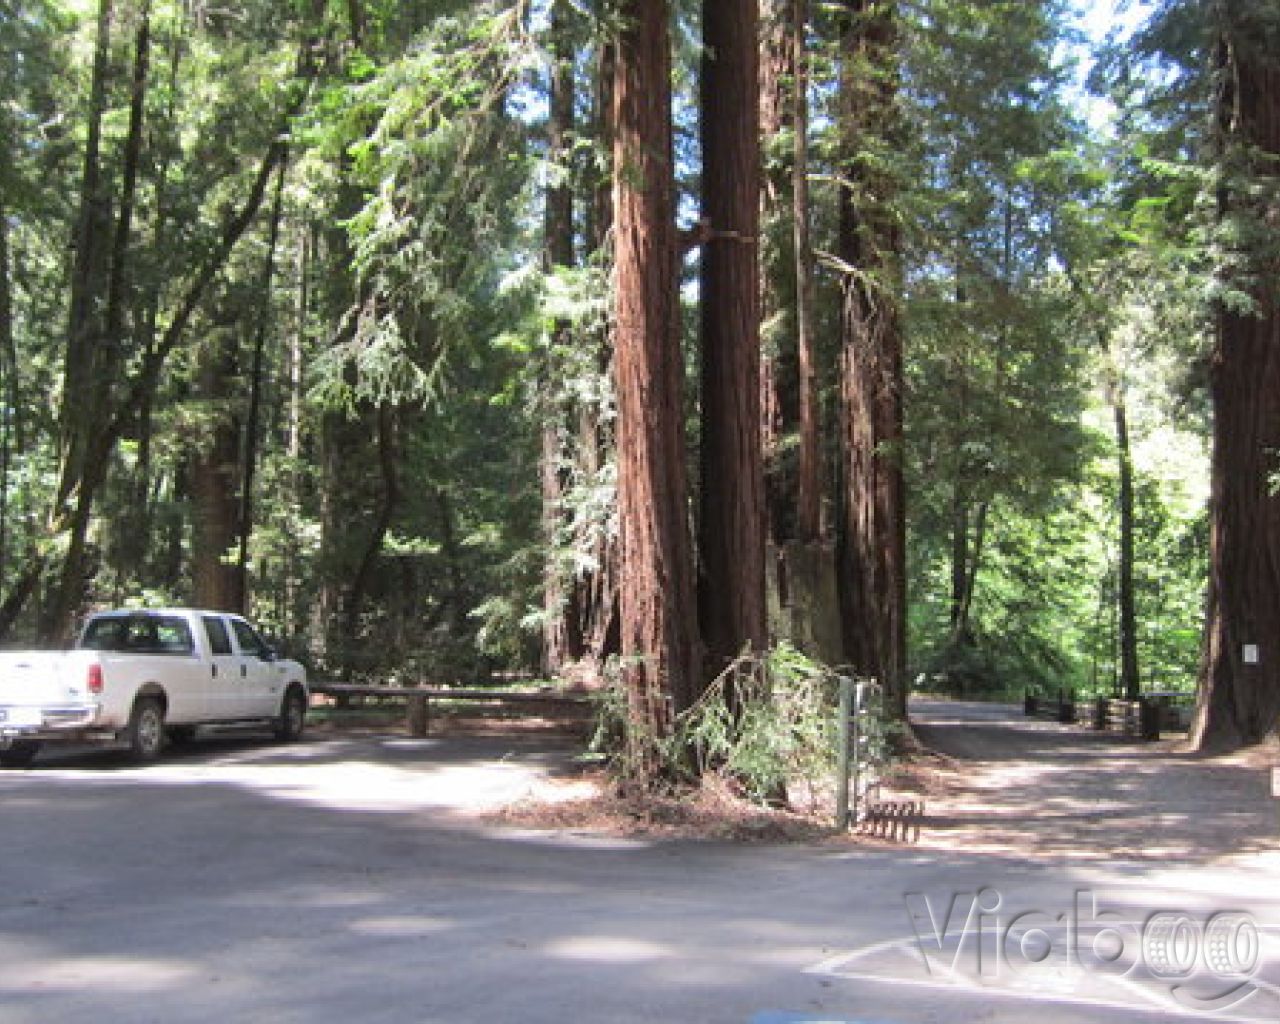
(1239, 699)
(213, 474)
(871, 527)
(731, 603)
(658, 610)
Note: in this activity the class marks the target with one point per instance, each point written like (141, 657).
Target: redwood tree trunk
(1239, 700)
(872, 524)
(658, 625)
(214, 475)
(731, 603)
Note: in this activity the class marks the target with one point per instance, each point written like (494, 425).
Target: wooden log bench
(418, 698)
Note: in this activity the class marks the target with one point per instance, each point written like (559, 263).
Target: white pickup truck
(143, 677)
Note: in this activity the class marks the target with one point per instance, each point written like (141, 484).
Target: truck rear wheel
(19, 754)
(145, 734)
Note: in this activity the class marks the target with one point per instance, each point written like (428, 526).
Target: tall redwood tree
(871, 527)
(731, 601)
(1240, 676)
(657, 607)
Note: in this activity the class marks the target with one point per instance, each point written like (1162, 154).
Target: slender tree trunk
(1239, 699)
(117, 281)
(872, 532)
(963, 630)
(83, 384)
(82, 481)
(293, 618)
(959, 556)
(731, 603)
(98, 339)
(1130, 678)
(597, 591)
(388, 505)
(559, 614)
(809, 486)
(252, 427)
(658, 609)
(88, 273)
(600, 212)
(777, 73)
(8, 387)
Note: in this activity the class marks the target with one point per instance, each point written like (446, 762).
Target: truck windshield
(139, 634)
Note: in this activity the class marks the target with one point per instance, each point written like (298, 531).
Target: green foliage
(765, 723)
(437, 159)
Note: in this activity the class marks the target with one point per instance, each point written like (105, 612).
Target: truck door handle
(214, 669)
(244, 671)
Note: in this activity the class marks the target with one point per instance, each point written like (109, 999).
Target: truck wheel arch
(152, 691)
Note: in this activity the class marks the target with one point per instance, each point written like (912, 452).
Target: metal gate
(862, 750)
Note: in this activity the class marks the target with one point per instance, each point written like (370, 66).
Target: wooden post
(418, 714)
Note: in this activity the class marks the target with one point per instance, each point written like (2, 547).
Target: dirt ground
(991, 781)
(1000, 782)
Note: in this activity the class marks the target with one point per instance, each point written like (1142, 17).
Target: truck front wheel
(293, 716)
(145, 734)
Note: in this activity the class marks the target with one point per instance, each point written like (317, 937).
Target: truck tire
(145, 734)
(293, 715)
(19, 754)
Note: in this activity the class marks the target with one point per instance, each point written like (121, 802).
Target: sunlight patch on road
(406, 927)
(353, 785)
(606, 949)
(98, 974)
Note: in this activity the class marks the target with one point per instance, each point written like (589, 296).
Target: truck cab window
(249, 640)
(216, 630)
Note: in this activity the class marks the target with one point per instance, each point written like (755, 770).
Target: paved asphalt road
(336, 880)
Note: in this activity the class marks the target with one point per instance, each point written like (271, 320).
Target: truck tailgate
(32, 682)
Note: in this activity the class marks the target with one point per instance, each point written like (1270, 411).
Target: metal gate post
(842, 755)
